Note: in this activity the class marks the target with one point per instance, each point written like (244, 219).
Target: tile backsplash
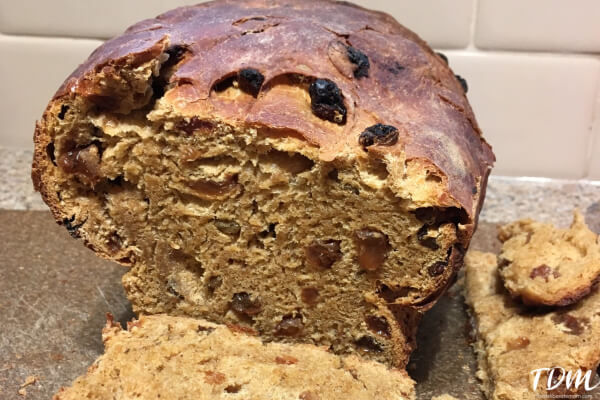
(533, 68)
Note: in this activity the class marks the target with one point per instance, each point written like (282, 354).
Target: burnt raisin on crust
(160, 355)
(215, 150)
(380, 134)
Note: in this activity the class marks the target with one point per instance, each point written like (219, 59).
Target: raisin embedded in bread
(310, 170)
(513, 340)
(547, 266)
(183, 358)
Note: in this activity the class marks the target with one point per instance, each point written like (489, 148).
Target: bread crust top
(403, 83)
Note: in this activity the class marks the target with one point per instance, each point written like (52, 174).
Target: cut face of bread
(182, 358)
(254, 179)
(513, 341)
(545, 265)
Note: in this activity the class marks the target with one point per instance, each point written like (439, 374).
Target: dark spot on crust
(361, 61)
(241, 303)
(202, 328)
(323, 253)
(437, 268)
(380, 134)
(378, 325)
(290, 325)
(443, 57)
(425, 240)
(73, 229)
(326, 101)
(543, 270)
(463, 83)
(395, 68)
(50, 153)
(575, 325)
(250, 81)
(63, 111)
(368, 344)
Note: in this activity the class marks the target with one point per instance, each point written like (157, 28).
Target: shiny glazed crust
(396, 126)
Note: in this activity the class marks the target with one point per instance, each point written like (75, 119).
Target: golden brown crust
(407, 86)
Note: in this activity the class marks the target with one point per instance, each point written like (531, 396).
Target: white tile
(548, 25)
(594, 172)
(535, 110)
(31, 71)
(442, 23)
(79, 18)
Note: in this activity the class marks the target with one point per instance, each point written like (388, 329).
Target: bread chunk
(547, 266)
(184, 358)
(513, 341)
(310, 170)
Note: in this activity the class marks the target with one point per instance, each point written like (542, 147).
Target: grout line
(473, 25)
(594, 128)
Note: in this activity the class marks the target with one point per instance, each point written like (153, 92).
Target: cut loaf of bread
(311, 170)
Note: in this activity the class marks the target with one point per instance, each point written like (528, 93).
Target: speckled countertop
(507, 199)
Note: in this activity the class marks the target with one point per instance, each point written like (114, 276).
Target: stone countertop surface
(54, 293)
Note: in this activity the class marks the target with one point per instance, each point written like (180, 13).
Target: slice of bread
(168, 358)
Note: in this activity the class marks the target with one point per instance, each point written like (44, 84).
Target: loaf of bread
(161, 357)
(309, 169)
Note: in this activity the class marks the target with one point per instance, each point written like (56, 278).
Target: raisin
(241, 303)
(326, 101)
(390, 295)
(443, 57)
(519, 343)
(214, 282)
(227, 227)
(437, 268)
(63, 111)
(73, 229)
(383, 135)
(214, 378)
(323, 253)
(211, 189)
(233, 388)
(308, 395)
(286, 359)
(426, 240)
(463, 83)
(372, 248)
(543, 270)
(250, 81)
(309, 295)
(361, 61)
(81, 160)
(378, 325)
(50, 153)
(368, 344)
(290, 325)
(195, 124)
(575, 326)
